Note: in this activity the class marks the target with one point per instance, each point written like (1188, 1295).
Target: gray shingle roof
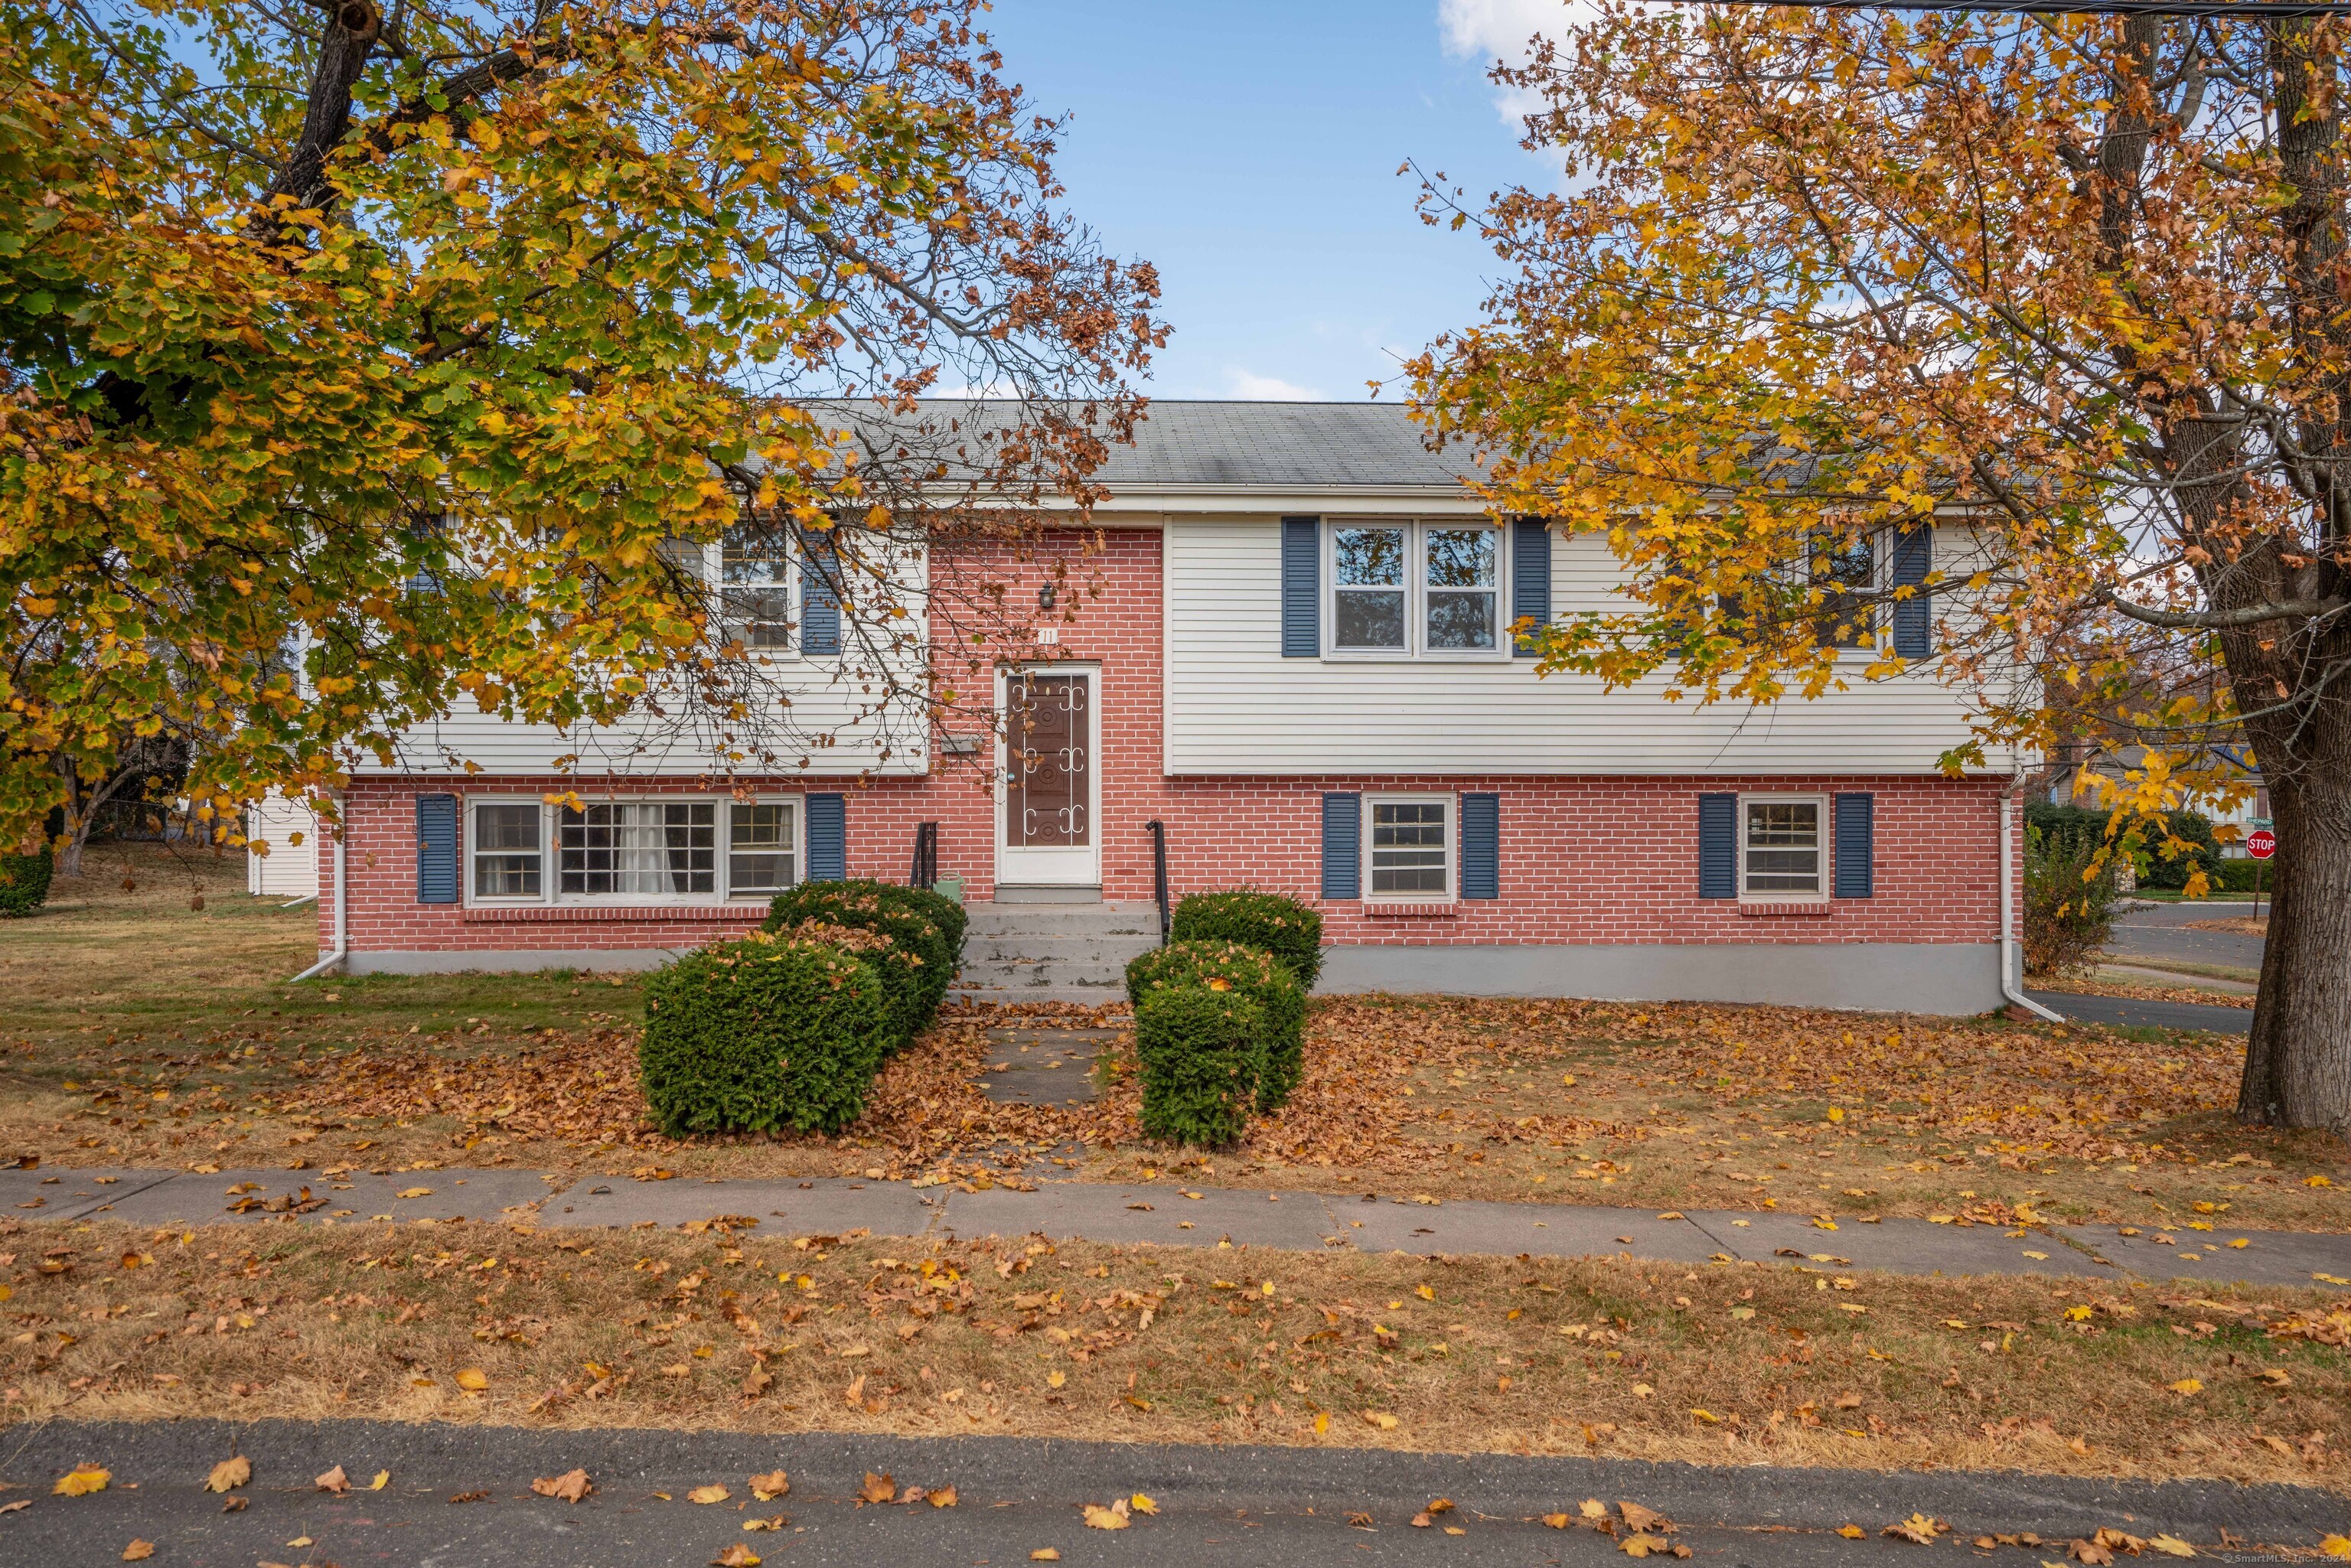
(1182, 442)
(1302, 445)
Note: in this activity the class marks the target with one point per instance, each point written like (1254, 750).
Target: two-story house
(1301, 667)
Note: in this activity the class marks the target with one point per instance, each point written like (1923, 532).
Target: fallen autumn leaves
(1597, 1356)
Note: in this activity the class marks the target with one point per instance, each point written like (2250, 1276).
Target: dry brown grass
(185, 1047)
(1649, 1361)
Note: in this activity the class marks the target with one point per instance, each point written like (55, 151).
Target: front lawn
(152, 1025)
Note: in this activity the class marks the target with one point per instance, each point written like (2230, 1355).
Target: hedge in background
(1282, 926)
(24, 882)
(925, 924)
(1251, 972)
(1200, 1052)
(763, 1036)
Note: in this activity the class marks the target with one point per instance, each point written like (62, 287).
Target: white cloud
(1487, 30)
(1244, 383)
(1491, 29)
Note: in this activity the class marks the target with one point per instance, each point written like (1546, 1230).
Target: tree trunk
(2298, 1067)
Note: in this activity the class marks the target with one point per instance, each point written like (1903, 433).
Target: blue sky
(1250, 150)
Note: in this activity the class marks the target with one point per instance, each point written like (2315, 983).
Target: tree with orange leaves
(1812, 276)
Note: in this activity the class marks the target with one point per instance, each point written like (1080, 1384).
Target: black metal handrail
(1158, 831)
(926, 856)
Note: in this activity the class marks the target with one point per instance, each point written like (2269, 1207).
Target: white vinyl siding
(832, 730)
(1235, 705)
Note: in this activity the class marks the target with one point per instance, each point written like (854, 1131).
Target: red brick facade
(1603, 860)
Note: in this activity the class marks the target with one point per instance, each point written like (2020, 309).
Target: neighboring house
(290, 869)
(1301, 666)
(2074, 782)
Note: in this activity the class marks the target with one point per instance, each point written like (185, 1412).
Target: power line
(2246, 8)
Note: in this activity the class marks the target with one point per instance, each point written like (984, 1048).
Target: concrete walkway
(1018, 1498)
(1164, 1213)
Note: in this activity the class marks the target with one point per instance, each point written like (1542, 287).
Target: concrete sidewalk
(1228, 1504)
(1167, 1214)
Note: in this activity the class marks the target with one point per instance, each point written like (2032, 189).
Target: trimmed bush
(902, 972)
(1200, 1052)
(923, 923)
(762, 1036)
(24, 882)
(1243, 971)
(1282, 926)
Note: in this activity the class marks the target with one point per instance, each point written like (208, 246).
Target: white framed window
(1409, 847)
(752, 575)
(763, 847)
(1844, 571)
(1414, 590)
(1783, 843)
(506, 846)
(637, 848)
(670, 849)
(755, 586)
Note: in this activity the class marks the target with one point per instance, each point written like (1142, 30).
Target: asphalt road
(2147, 1014)
(2155, 932)
(1222, 1505)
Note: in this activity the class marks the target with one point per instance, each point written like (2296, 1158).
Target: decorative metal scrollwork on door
(1046, 806)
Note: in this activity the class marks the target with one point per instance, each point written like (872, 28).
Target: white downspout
(2008, 986)
(342, 948)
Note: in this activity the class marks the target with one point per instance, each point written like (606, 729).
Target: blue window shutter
(1856, 828)
(1342, 846)
(1718, 846)
(1914, 618)
(1481, 846)
(828, 838)
(820, 604)
(1530, 575)
(436, 849)
(1302, 589)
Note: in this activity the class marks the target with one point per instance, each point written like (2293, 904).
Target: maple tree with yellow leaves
(359, 364)
(2076, 286)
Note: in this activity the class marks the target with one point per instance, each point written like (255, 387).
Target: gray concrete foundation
(1947, 977)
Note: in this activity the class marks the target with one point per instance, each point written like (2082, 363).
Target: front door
(1047, 831)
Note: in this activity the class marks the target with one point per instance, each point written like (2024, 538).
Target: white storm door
(1048, 793)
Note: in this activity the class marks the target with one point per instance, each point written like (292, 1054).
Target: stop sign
(2261, 843)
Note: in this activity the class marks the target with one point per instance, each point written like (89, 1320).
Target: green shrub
(2144, 843)
(903, 973)
(922, 923)
(762, 1035)
(1200, 1052)
(24, 882)
(1282, 926)
(2239, 875)
(2066, 919)
(1244, 970)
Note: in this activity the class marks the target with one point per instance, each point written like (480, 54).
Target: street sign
(2261, 843)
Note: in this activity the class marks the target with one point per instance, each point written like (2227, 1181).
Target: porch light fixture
(1045, 597)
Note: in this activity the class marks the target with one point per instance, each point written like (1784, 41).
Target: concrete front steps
(1053, 952)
